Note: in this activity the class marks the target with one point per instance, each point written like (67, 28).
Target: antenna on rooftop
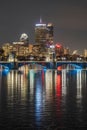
(40, 20)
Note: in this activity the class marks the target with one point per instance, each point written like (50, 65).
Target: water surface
(43, 99)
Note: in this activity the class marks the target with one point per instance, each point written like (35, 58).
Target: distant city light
(50, 24)
(20, 43)
(52, 46)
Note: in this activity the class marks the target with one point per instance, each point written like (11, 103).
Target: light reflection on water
(47, 99)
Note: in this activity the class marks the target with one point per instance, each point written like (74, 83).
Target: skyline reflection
(47, 98)
(47, 79)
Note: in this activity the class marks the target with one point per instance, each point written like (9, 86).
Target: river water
(32, 99)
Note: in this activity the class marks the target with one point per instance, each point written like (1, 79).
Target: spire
(40, 20)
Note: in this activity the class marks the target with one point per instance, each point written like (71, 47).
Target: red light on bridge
(59, 68)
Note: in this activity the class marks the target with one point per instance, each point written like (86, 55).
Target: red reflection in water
(58, 94)
(58, 87)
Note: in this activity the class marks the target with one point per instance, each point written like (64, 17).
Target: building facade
(50, 34)
(43, 33)
(40, 33)
(85, 53)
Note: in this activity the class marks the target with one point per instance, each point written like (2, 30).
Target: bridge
(46, 64)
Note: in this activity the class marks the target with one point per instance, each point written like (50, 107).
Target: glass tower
(40, 33)
(50, 32)
(43, 33)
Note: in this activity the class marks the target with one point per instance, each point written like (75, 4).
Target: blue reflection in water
(45, 69)
(38, 97)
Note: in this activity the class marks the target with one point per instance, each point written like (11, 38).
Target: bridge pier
(15, 65)
(84, 65)
(53, 65)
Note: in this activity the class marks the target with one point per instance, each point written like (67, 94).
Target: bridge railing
(49, 64)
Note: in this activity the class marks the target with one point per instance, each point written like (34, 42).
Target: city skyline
(69, 19)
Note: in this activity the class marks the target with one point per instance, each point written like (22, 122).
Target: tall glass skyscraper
(50, 32)
(43, 33)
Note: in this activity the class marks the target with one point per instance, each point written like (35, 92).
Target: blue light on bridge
(5, 71)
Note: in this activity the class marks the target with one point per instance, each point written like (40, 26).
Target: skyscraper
(50, 32)
(40, 33)
(43, 33)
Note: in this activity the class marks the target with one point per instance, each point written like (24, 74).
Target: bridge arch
(32, 65)
(43, 64)
(4, 66)
(77, 65)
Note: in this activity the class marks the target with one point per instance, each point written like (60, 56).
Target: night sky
(68, 16)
